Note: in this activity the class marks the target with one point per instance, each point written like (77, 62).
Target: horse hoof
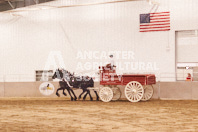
(58, 95)
(91, 99)
(65, 94)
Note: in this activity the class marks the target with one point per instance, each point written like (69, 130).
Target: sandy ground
(60, 114)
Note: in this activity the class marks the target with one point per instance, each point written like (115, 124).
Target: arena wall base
(194, 90)
(162, 90)
(178, 90)
(1, 89)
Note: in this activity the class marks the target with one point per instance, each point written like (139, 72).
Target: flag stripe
(160, 18)
(155, 30)
(155, 24)
(159, 15)
(159, 21)
(156, 27)
(160, 12)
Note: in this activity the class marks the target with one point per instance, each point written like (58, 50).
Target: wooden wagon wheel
(116, 93)
(148, 92)
(106, 94)
(134, 91)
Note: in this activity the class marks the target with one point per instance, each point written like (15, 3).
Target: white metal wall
(28, 37)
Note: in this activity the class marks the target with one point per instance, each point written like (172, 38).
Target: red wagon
(138, 86)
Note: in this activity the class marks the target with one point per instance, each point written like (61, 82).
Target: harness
(67, 83)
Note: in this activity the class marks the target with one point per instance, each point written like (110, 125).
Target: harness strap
(67, 83)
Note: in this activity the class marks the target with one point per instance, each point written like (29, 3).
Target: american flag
(158, 21)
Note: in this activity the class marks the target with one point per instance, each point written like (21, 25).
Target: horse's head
(57, 74)
(90, 82)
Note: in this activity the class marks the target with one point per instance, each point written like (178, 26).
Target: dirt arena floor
(60, 114)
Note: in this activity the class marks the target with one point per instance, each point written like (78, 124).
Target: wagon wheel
(134, 91)
(106, 94)
(116, 93)
(148, 92)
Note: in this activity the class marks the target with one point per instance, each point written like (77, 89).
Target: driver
(111, 62)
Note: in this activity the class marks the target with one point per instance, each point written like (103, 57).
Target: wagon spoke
(106, 94)
(134, 91)
(139, 90)
(148, 93)
(138, 96)
(133, 98)
(116, 93)
(129, 95)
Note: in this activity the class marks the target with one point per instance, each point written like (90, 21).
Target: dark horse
(63, 85)
(70, 81)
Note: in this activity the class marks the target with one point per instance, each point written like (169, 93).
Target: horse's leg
(97, 97)
(68, 90)
(73, 94)
(88, 92)
(61, 88)
(64, 92)
(79, 97)
(85, 94)
(90, 95)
